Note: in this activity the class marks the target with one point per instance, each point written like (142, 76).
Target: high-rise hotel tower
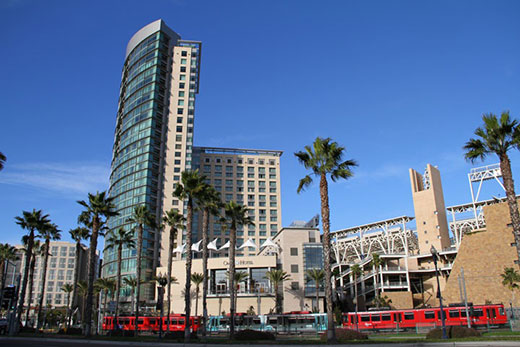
(153, 135)
(154, 144)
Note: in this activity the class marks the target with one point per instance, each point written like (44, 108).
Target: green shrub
(71, 331)
(121, 333)
(453, 332)
(178, 335)
(254, 335)
(346, 335)
(29, 330)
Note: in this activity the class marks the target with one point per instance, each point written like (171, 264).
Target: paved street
(50, 342)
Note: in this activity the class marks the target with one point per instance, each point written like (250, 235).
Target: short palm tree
(235, 216)
(197, 279)
(316, 276)
(162, 281)
(119, 239)
(7, 253)
(277, 277)
(132, 283)
(106, 286)
(498, 136)
(356, 271)
(30, 221)
(83, 293)
(175, 221)
(190, 187)
(97, 207)
(240, 277)
(47, 233)
(376, 262)
(2, 161)
(323, 159)
(68, 289)
(77, 234)
(210, 203)
(510, 279)
(141, 217)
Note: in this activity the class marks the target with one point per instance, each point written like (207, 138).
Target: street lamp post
(443, 321)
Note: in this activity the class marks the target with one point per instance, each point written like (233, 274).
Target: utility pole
(465, 296)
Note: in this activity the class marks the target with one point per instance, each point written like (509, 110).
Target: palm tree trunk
(91, 276)
(317, 296)
(31, 284)
(377, 289)
(76, 278)
(105, 303)
(187, 288)
(28, 255)
(69, 308)
(170, 256)
(232, 308)
(197, 301)
(118, 282)
(205, 240)
(355, 298)
(138, 275)
(509, 185)
(44, 278)
(325, 217)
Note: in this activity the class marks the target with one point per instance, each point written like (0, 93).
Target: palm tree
(277, 277)
(240, 277)
(356, 271)
(7, 253)
(99, 205)
(325, 158)
(2, 160)
(48, 232)
(210, 203)
(197, 279)
(317, 276)
(30, 221)
(190, 187)
(132, 283)
(36, 252)
(68, 289)
(236, 215)
(77, 234)
(105, 285)
(510, 279)
(498, 136)
(175, 221)
(376, 262)
(82, 287)
(142, 218)
(162, 281)
(119, 239)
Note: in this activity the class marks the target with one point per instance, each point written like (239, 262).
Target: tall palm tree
(325, 158)
(190, 187)
(277, 277)
(106, 286)
(7, 253)
(77, 234)
(68, 289)
(510, 279)
(119, 239)
(47, 233)
(356, 271)
(30, 221)
(210, 203)
(175, 221)
(317, 276)
(82, 287)
(2, 160)
(132, 283)
(141, 217)
(38, 250)
(197, 279)
(97, 207)
(498, 136)
(376, 262)
(235, 216)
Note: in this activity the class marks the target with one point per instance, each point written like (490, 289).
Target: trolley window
(386, 317)
(429, 314)
(454, 314)
(463, 313)
(140, 321)
(376, 318)
(365, 318)
(152, 321)
(409, 316)
(478, 312)
(501, 311)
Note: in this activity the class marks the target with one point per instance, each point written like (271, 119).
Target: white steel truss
(389, 236)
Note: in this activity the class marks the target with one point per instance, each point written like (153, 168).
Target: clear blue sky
(399, 83)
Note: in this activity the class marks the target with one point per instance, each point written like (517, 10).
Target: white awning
(180, 249)
(213, 245)
(196, 246)
(248, 243)
(268, 243)
(226, 245)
